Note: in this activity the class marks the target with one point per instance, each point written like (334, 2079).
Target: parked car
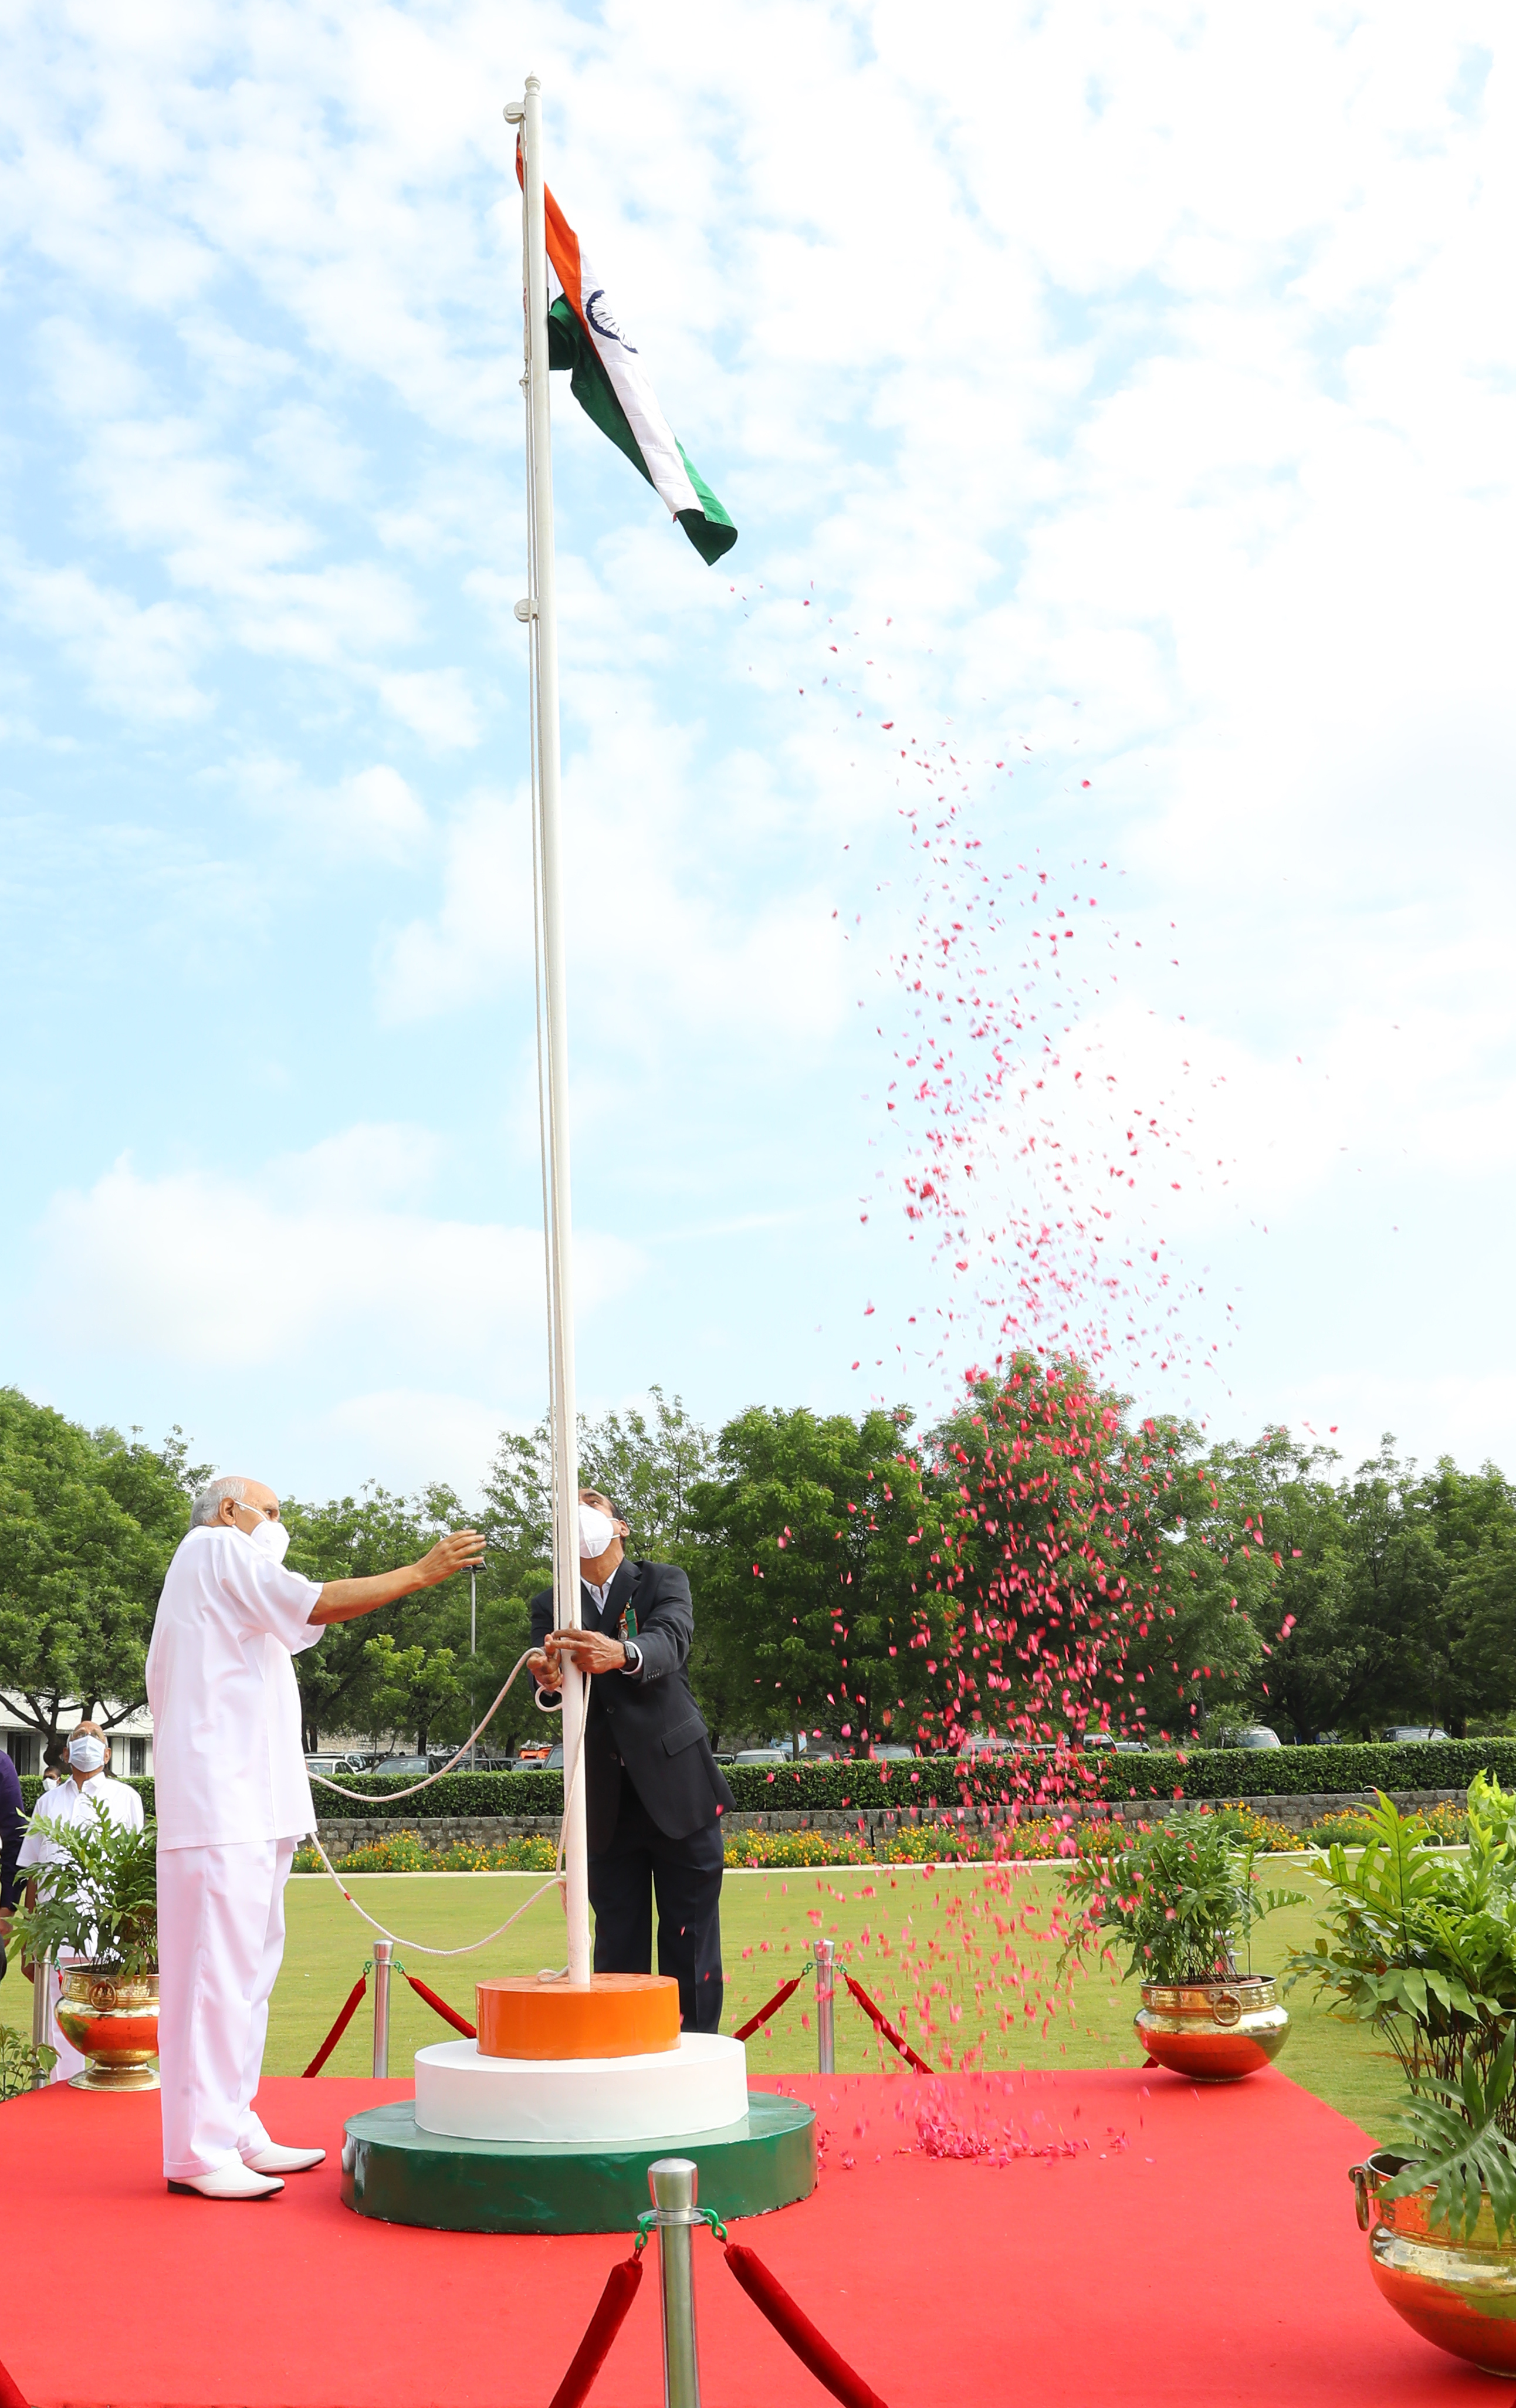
(411, 1768)
(1252, 1735)
(762, 1756)
(541, 1759)
(892, 1755)
(1398, 1732)
(335, 1767)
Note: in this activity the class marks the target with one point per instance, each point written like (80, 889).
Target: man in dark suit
(655, 1793)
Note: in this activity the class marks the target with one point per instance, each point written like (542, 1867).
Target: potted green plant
(1420, 1943)
(1182, 1898)
(94, 1909)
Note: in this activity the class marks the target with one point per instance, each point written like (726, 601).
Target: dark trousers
(685, 1876)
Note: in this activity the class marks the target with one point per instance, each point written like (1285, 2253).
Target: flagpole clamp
(514, 111)
(526, 610)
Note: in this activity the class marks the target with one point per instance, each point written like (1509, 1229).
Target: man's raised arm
(344, 1601)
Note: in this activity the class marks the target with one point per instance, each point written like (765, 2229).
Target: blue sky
(1137, 383)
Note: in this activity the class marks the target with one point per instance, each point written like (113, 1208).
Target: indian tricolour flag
(608, 381)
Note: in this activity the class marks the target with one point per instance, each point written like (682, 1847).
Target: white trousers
(69, 2060)
(221, 1937)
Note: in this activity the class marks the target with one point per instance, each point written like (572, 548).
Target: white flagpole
(540, 611)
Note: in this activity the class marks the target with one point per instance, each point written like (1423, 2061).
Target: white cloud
(136, 659)
(322, 1258)
(371, 815)
(480, 936)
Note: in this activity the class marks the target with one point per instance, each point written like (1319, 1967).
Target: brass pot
(1459, 2294)
(1213, 2031)
(114, 2026)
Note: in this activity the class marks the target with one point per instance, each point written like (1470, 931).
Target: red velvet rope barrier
(327, 2047)
(610, 2316)
(897, 2040)
(449, 2014)
(793, 2326)
(763, 2014)
(11, 2394)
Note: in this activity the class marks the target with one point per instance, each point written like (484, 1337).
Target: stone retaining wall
(341, 1835)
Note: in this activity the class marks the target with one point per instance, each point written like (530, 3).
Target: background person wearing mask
(655, 1793)
(233, 1797)
(88, 1790)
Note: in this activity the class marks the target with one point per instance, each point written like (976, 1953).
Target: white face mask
(87, 1755)
(596, 1531)
(271, 1538)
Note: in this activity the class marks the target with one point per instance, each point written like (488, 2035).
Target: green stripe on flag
(710, 529)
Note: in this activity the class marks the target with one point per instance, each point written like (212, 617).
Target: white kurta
(68, 1803)
(233, 1797)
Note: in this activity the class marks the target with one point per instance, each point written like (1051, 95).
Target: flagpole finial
(532, 84)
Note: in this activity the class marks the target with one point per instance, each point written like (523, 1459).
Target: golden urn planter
(1212, 2031)
(114, 2026)
(1459, 2294)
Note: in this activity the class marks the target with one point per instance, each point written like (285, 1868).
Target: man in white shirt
(232, 1797)
(88, 1790)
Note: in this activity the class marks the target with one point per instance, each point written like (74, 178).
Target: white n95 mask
(596, 1531)
(87, 1755)
(271, 1538)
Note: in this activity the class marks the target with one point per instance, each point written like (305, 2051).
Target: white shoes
(275, 2160)
(233, 2181)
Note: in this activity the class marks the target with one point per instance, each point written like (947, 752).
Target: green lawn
(964, 1950)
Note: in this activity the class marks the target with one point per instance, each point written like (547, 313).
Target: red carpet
(1202, 2249)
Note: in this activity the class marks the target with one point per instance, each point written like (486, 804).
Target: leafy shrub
(792, 1849)
(1181, 1896)
(1353, 1826)
(408, 1853)
(23, 2062)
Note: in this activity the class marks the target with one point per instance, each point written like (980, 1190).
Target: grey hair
(207, 1500)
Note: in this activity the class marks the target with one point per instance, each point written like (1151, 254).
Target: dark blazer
(650, 1723)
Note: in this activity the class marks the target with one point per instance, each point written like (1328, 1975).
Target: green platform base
(402, 2175)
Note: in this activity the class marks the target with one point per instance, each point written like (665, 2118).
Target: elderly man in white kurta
(232, 1797)
(88, 1791)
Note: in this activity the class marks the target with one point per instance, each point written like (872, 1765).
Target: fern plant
(1460, 2146)
(1420, 1944)
(1181, 1897)
(98, 1901)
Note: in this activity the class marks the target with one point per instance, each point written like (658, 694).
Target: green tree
(820, 1535)
(88, 1522)
(344, 1690)
(1067, 1518)
(1252, 1621)
(650, 1464)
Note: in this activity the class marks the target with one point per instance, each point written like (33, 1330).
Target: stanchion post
(42, 2010)
(825, 2037)
(383, 1954)
(673, 2181)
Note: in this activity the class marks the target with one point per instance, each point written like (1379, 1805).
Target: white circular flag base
(700, 2087)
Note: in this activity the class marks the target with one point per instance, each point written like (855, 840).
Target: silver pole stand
(42, 2010)
(383, 1953)
(826, 2038)
(673, 2181)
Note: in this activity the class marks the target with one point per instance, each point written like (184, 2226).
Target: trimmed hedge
(1329, 1771)
(939, 1782)
(867, 1787)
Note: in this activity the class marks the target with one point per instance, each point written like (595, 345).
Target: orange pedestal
(619, 2015)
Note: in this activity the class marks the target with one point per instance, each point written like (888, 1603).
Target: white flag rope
(554, 1879)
